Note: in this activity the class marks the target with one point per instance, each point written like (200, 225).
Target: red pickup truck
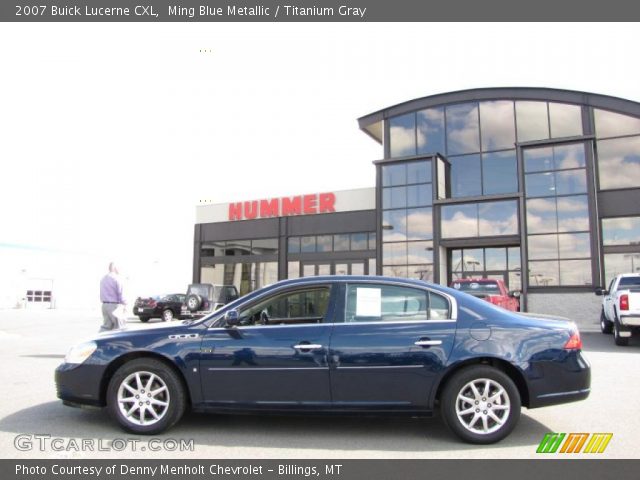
(493, 291)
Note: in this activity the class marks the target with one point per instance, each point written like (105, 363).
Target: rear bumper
(566, 379)
(630, 320)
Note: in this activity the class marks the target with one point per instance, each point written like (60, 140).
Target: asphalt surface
(33, 343)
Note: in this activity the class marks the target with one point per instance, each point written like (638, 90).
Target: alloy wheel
(143, 398)
(483, 406)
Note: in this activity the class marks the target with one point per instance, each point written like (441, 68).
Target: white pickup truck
(621, 307)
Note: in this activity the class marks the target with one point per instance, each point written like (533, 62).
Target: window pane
(541, 215)
(357, 268)
(456, 260)
(395, 271)
(394, 225)
(575, 272)
(293, 245)
(459, 221)
(515, 281)
(621, 231)
(402, 135)
(324, 243)
(394, 253)
(514, 258)
(431, 130)
(532, 121)
(419, 195)
(372, 241)
(421, 272)
(574, 245)
(543, 247)
(569, 156)
(340, 243)
(465, 176)
(267, 246)
(359, 241)
(438, 307)
(342, 269)
(538, 159)
(571, 182)
(617, 263)
(307, 244)
(499, 172)
(293, 269)
(573, 213)
(385, 303)
(566, 120)
(473, 260)
(463, 134)
(394, 197)
(497, 125)
(308, 270)
(420, 252)
(543, 274)
(394, 175)
(609, 124)
(498, 218)
(619, 163)
(418, 172)
(495, 258)
(540, 184)
(372, 266)
(419, 224)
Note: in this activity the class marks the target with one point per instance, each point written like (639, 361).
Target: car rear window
(629, 282)
(477, 287)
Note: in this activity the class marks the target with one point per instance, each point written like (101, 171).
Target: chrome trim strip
(428, 343)
(410, 322)
(240, 369)
(379, 366)
(307, 346)
(560, 394)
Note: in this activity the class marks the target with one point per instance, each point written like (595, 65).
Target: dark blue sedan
(369, 345)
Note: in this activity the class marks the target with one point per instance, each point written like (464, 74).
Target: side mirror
(514, 293)
(600, 291)
(231, 318)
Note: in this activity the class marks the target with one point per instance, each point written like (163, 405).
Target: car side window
(391, 303)
(290, 308)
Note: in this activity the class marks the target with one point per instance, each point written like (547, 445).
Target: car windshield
(629, 282)
(477, 287)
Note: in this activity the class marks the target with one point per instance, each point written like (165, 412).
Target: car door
(608, 300)
(391, 346)
(277, 355)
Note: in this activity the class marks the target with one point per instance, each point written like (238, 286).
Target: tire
(606, 326)
(167, 315)
(144, 319)
(620, 341)
(193, 302)
(471, 426)
(171, 397)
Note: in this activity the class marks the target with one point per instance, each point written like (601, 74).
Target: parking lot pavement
(33, 343)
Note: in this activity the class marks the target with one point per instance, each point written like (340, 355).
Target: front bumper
(565, 379)
(80, 384)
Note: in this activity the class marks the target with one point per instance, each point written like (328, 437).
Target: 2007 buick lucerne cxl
(371, 345)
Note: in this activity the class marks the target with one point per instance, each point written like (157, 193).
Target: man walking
(112, 298)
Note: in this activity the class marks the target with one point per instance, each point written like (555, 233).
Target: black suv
(204, 298)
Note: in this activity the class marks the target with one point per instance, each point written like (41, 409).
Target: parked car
(492, 290)
(166, 307)
(204, 298)
(359, 345)
(620, 312)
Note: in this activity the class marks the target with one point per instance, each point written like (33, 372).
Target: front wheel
(605, 325)
(167, 315)
(146, 397)
(480, 404)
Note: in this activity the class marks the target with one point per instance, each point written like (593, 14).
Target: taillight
(574, 342)
(152, 303)
(624, 302)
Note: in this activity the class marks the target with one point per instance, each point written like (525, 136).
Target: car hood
(152, 328)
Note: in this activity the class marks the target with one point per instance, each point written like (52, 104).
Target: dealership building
(538, 187)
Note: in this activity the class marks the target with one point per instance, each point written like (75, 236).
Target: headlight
(80, 352)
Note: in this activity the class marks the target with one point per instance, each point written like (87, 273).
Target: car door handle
(307, 346)
(428, 343)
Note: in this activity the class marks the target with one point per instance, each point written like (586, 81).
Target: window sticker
(368, 302)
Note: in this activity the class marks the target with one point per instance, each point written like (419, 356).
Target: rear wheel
(620, 341)
(144, 319)
(167, 315)
(480, 404)
(605, 325)
(146, 397)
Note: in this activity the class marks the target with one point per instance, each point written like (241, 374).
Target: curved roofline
(616, 104)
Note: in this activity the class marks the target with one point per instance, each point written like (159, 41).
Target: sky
(111, 134)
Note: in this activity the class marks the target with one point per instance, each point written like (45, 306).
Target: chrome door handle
(428, 343)
(307, 346)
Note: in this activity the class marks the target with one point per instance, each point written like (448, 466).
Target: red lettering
(327, 202)
(291, 206)
(251, 210)
(235, 211)
(269, 208)
(309, 202)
